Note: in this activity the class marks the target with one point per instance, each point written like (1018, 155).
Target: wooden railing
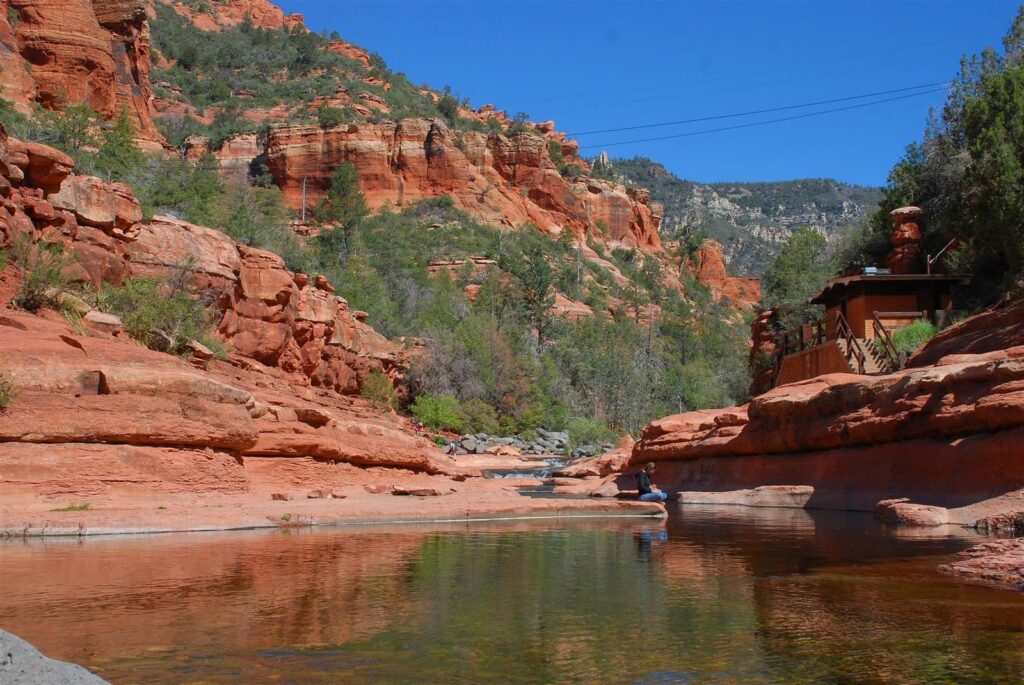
(883, 336)
(794, 340)
(853, 348)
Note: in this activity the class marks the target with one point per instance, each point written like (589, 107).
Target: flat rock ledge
(1000, 562)
(23, 664)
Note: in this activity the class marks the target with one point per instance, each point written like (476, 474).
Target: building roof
(838, 285)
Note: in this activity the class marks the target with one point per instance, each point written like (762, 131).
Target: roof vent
(875, 271)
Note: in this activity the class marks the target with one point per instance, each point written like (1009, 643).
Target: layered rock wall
(502, 180)
(946, 435)
(95, 52)
(290, 321)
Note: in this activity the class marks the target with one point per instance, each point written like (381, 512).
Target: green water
(716, 595)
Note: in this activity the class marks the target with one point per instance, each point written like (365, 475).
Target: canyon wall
(96, 52)
(946, 435)
(290, 321)
(501, 180)
(216, 15)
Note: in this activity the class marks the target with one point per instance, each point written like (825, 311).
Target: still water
(716, 595)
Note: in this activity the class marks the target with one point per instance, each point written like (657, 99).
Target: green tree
(795, 275)
(529, 264)
(343, 208)
(118, 156)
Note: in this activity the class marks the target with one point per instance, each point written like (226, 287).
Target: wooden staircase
(875, 363)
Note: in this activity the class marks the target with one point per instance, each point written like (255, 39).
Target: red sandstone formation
(98, 418)
(1000, 562)
(79, 51)
(997, 329)
(946, 436)
(225, 14)
(710, 271)
(340, 47)
(905, 257)
(502, 180)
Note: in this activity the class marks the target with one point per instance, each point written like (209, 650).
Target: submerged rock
(23, 664)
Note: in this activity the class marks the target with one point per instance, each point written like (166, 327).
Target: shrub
(908, 339)
(379, 389)
(6, 393)
(479, 417)
(41, 266)
(161, 315)
(584, 431)
(219, 348)
(438, 412)
(328, 116)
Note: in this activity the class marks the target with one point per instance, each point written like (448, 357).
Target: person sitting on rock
(648, 493)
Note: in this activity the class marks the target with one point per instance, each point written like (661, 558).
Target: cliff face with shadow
(947, 434)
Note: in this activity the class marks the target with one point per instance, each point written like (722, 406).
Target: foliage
(6, 392)
(479, 417)
(528, 263)
(584, 431)
(75, 506)
(379, 389)
(909, 338)
(966, 174)
(343, 208)
(161, 314)
(437, 412)
(794, 276)
(118, 155)
(41, 267)
(328, 116)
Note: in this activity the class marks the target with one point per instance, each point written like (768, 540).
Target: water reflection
(717, 595)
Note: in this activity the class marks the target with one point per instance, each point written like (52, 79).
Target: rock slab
(23, 664)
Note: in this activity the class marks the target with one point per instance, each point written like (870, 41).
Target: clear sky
(605, 64)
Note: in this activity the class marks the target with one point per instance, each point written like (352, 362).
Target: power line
(758, 111)
(763, 123)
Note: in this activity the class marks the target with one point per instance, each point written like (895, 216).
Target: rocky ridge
(751, 220)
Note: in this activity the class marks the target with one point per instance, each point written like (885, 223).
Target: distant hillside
(751, 220)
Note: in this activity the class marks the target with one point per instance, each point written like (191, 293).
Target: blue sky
(595, 65)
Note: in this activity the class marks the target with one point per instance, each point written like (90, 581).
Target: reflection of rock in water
(23, 664)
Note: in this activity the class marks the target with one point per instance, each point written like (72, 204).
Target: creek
(714, 595)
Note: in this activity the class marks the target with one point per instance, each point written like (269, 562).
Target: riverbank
(383, 496)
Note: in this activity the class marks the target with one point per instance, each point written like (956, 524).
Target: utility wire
(759, 111)
(763, 123)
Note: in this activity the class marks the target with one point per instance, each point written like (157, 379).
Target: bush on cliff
(6, 392)
(163, 314)
(41, 268)
(379, 389)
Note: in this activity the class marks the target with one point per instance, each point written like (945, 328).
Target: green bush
(479, 417)
(6, 393)
(908, 339)
(41, 267)
(379, 389)
(438, 412)
(584, 431)
(161, 314)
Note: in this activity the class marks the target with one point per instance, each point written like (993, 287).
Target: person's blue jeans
(653, 497)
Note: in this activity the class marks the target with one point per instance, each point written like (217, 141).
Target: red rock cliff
(95, 52)
(946, 436)
(289, 321)
(503, 180)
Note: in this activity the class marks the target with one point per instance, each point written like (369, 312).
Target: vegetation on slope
(243, 68)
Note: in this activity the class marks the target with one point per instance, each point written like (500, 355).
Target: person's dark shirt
(643, 482)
